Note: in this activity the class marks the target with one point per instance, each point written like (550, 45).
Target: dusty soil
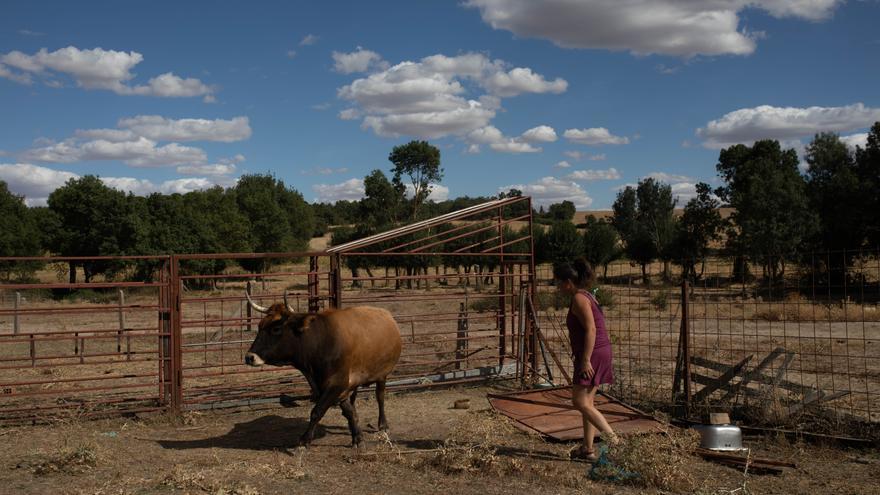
(251, 452)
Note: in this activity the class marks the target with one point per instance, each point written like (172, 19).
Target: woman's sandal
(582, 454)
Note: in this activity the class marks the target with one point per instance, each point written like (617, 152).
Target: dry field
(250, 452)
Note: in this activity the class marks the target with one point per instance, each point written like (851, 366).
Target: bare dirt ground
(250, 452)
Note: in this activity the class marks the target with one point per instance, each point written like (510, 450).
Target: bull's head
(278, 335)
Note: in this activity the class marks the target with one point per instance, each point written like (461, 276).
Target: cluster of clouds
(36, 182)
(97, 69)
(789, 125)
(136, 142)
(642, 27)
(429, 98)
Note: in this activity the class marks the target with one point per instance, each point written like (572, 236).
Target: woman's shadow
(264, 433)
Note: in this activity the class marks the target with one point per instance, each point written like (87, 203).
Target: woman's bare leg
(583, 400)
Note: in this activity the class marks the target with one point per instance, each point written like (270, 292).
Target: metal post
(15, 322)
(248, 309)
(121, 323)
(335, 281)
(176, 355)
(461, 343)
(685, 346)
(313, 284)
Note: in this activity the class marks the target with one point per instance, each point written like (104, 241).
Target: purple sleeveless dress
(601, 357)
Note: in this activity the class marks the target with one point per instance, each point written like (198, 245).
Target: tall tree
(19, 235)
(700, 224)
(95, 220)
(601, 244)
(768, 194)
(561, 243)
(643, 218)
(834, 190)
(868, 170)
(381, 206)
(420, 161)
(279, 218)
(562, 211)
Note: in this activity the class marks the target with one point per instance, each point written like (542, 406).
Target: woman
(591, 351)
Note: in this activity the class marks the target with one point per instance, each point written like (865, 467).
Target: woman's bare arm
(583, 310)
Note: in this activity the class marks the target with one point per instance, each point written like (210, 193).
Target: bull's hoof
(358, 444)
(383, 427)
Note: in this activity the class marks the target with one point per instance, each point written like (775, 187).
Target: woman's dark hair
(579, 272)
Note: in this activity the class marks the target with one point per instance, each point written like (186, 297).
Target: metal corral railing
(801, 349)
(170, 332)
(96, 354)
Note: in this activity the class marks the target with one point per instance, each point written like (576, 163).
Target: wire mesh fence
(797, 344)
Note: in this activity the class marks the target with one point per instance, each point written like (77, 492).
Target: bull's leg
(380, 399)
(329, 397)
(350, 413)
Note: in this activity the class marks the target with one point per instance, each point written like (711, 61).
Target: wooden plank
(816, 399)
(722, 380)
(754, 373)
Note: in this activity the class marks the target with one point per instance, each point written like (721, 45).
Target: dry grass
(660, 461)
(69, 459)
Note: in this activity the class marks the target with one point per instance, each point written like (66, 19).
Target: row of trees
(777, 213)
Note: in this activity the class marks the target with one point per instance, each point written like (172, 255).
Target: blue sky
(564, 99)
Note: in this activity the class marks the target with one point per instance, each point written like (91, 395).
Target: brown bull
(336, 350)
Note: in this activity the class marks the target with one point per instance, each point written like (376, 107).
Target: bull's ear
(305, 323)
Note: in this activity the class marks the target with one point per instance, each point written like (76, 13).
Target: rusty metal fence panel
(170, 332)
(799, 348)
(84, 349)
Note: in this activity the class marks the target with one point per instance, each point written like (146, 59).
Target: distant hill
(581, 216)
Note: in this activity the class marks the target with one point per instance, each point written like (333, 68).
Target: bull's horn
(287, 304)
(257, 307)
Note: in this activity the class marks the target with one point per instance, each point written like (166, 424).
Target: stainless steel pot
(720, 437)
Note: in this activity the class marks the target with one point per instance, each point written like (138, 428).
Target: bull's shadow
(265, 433)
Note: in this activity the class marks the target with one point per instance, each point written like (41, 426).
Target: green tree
(562, 211)
(19, 234)
(700, 224)
(868, 169)
(834, 190)
(420, 161)
(601, 244)
(382, 203)
(94, 220)
(561, 243)
(643, 218)
(278, 217)
(768, 194)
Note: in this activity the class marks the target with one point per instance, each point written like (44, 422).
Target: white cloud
(429, 99)
(668, 27)
(748, 125)
(438, 192)
(349, 114)
(28, 32)
(160, 128)
(540, 134)
(562, 164)
(213, 169)
(141, 152)
(97, 69)
(522, 80)
(309, 39)
(594, 136)
(291, 53)
(491, 136)
(591, 175)
(550, 190)
(853, 140)
(35, 183)
(325, 171)
(359, 60)
(669, 178)
(683, 192)
(351, 190)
